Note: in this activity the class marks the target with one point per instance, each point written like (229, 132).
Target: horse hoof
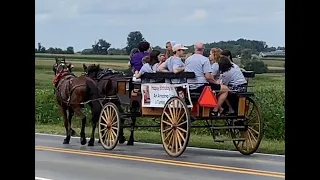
(130, 143)
(83, 141)
(66, 141)
(91, 142)
(122, 139)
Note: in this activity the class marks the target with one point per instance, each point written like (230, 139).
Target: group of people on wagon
(218, 70)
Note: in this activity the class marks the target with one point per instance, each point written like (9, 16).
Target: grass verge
(203, 141)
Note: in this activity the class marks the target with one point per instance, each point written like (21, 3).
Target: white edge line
(40, 178)
(195, 148)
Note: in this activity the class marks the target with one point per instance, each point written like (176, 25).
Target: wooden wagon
(178, 108)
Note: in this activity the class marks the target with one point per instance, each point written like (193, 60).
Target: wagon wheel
(253, 131)
(109, 125)
(175, 127)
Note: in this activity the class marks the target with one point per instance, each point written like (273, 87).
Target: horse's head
(92, 70)
(61, 66)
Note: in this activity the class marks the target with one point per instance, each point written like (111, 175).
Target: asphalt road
(56, 161)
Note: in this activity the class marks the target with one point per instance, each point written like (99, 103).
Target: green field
(271, 62)
(269, 90)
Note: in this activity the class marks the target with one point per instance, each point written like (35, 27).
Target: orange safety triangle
(207, 98)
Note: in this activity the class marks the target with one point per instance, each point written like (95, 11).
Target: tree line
(102, 47)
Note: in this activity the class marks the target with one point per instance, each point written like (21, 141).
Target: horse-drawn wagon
(178, 108)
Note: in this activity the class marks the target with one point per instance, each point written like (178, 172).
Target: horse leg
(131, 139)
(95, 111)
(70, 115)
(83, 118)
(63, 111)
(122, 139)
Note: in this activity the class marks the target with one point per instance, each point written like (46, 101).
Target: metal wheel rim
(109, 126)
(175, 127)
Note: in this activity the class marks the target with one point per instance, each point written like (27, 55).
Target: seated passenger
(200, 65)
(229, 55)
(132, 53)
(214, 59)
(174, 63)
(136, 60)
(232, 76)
(150, 65)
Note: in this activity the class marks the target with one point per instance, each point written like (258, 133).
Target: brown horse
(106, 80)
(71, 93)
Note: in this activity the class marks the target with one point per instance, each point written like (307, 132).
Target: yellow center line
(165, 161)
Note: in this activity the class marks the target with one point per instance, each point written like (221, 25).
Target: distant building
(276, 53)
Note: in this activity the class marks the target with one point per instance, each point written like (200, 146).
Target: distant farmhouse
(276, 53)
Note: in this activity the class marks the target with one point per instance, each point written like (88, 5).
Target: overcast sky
(78, 23)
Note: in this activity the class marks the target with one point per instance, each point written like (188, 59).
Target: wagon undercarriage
(176, 118)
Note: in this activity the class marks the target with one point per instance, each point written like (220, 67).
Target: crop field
(119, 62)
(269, 90)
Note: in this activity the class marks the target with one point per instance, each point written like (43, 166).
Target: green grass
(266, 146)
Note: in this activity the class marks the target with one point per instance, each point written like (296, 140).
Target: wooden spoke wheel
(109, 126)
(253, 132)
(175, 127)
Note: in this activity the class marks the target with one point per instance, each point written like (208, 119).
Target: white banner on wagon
(157, 94)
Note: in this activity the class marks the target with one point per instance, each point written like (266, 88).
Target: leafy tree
(70, 50)
(101, 47)
(133, 40)
(246, 55)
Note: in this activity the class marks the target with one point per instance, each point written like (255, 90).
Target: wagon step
(229, 127)
(223, 140)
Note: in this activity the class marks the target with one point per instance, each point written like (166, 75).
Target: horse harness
(63, 85)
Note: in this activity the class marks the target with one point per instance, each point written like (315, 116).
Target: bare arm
(178, 69)
(138, 74)
(162, 67)
(209, 78)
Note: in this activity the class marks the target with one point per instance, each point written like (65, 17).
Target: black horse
(106, 80)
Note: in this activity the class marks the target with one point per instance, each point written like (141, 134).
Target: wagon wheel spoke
(168, 129)
(106, 138)
(114, 123)
(184, 122)
(104, 134)
(179, 128)
(252, 107)
(174, 110)
(250, 141)
(107, 114)
(170, 141)
(255, 131)
(171, 113)
(104, 125)
(177, 110)
(176, 142)
(254, 138)
(168, 117)
(104, 118)
(180, 118)
(113, 135)
(181, 135)
(115, 128)
(167, 123)
(112, 115)
(113, 118)
(168, 135)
